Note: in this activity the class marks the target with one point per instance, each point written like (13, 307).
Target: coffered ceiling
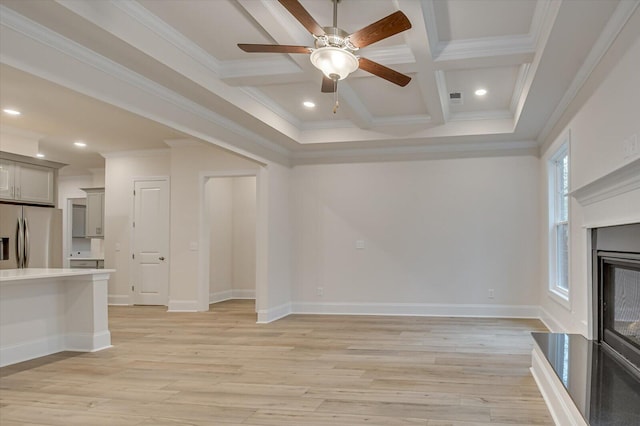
(531, 56)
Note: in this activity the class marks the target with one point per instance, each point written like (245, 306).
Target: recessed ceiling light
(80, 144)
(40, 155)
(11, 111)
(481, 92)
(309, 104)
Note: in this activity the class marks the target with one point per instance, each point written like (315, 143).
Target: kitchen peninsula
(44, 311)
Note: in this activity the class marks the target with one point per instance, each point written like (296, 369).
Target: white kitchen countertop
(11, 275)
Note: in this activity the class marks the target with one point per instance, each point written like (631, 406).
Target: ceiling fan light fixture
(334, 62)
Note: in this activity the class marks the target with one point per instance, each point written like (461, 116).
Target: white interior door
(151, 242)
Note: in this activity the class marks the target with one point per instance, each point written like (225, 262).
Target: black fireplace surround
(602, 376)
(616, 292)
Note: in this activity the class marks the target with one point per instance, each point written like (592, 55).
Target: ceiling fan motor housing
(333, 54)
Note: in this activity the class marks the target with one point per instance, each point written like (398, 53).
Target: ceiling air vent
(455, 98)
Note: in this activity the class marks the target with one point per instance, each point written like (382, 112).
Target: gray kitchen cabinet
(94, 224)
(26, 182)
(78, 221)
(7, 179)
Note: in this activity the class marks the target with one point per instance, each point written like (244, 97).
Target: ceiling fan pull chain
(335, 97)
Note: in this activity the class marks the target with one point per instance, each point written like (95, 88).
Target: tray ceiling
(525, 53)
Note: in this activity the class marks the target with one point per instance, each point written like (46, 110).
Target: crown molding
(481, 47)
(419, 152)
(620, 16)
(537, 22)
(391, 55)
(328, 124)
(498, 114)
(181, 143)
(431, 25)
(518, 89)
(443, 93)
(137, 153)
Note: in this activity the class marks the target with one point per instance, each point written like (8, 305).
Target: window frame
(556, 198)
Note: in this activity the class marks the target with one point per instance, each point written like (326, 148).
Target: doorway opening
(229, 237)
(231, 203)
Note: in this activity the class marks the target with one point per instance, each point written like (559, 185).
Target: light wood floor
(220, 368)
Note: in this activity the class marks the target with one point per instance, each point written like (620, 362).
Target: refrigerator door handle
(26, 244)
(19, 243)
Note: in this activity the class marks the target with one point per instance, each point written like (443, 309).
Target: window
(559, 222)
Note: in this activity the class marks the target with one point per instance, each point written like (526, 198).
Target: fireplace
(616, 292)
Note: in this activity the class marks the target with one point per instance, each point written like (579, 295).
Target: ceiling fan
(334, 51)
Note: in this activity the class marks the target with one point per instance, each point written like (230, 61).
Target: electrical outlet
(360, 244)
(320, 291)
(490, 293)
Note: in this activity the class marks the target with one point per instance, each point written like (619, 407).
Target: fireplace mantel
(624, 179)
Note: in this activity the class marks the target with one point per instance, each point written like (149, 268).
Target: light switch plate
(360, 244)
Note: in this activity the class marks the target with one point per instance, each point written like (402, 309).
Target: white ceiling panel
(470, 19)
(388, 100)
(498, 82)
(291, 96)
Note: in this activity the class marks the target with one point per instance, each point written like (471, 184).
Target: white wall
(439, 232)
(220, 202)
(120, 169)
(605, 112)
(276, 265)
(188, 161)
(244, 235)
(232, 215)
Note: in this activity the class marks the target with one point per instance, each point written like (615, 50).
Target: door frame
(132, 216)
(204, 229)
(67, 237)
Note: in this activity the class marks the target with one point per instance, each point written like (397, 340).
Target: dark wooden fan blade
(328, 85)
(300, 13)
(274, 48)
(384, 72)
(393, 24)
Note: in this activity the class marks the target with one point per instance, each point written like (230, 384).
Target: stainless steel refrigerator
(30, 237)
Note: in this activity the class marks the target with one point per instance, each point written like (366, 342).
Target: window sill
(560, 298)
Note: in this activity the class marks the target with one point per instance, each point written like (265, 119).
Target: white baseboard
(31, 349)
(243, 294)
(269, 315)
(418, 309)
(562, 409)
(87, 342)
(183, 306)
(76, 342)
(550, 322)
(119, 300)
(221, 296)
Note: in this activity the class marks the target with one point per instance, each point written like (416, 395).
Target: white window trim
(557, 293)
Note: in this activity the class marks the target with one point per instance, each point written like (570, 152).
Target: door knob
(161, 258)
